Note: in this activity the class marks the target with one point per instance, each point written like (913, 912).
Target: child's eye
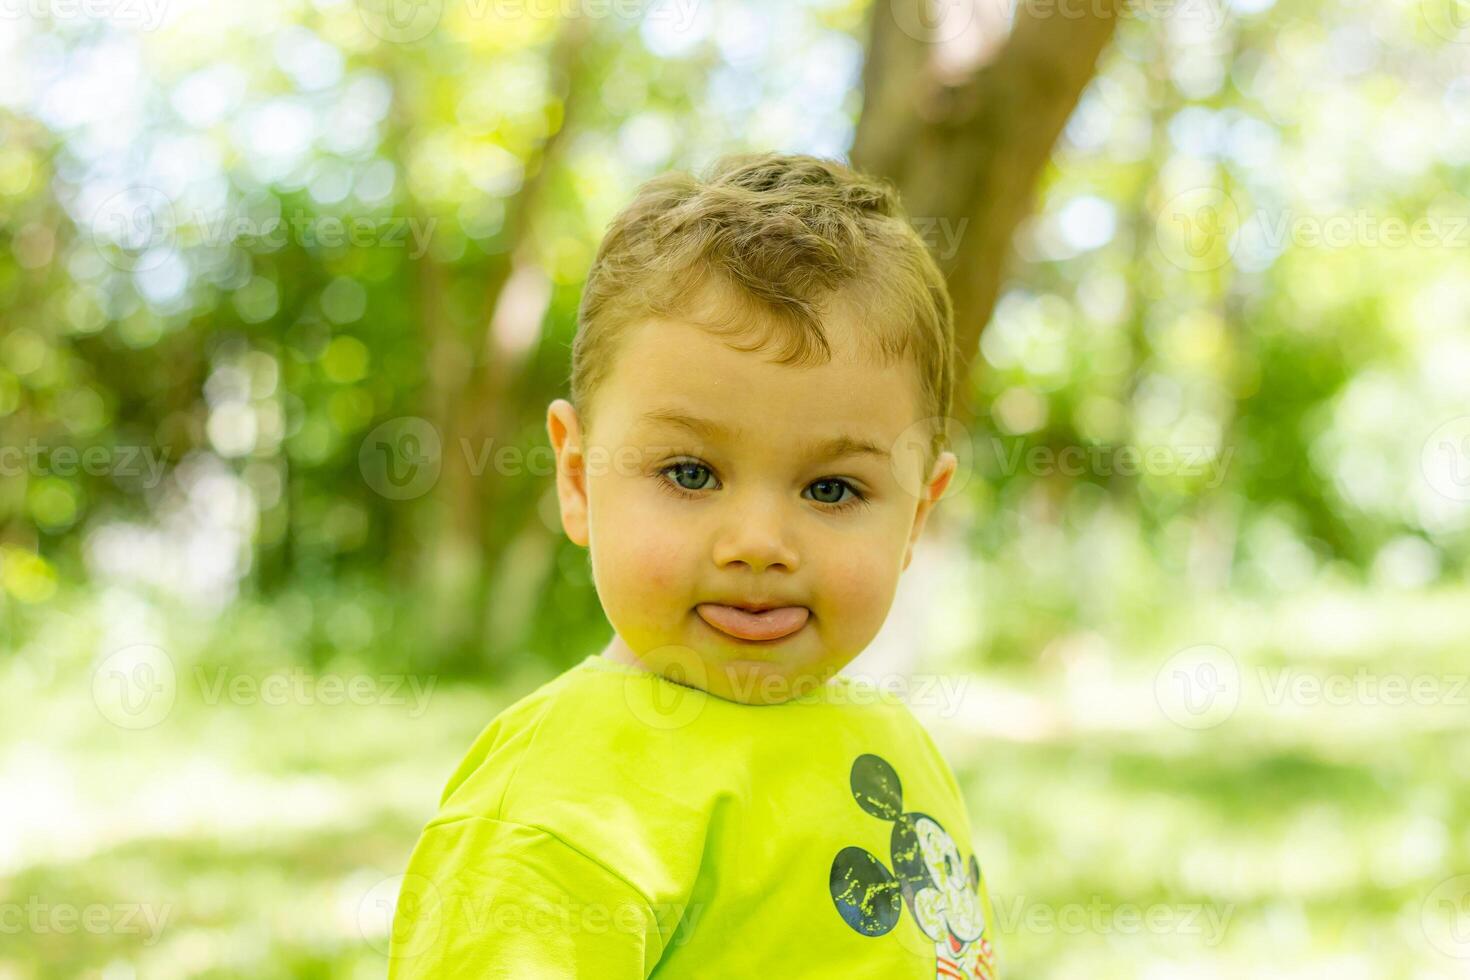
(689, 475)
(687, 478)
(830, 491)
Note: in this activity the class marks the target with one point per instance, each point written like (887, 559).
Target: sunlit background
(286, 287)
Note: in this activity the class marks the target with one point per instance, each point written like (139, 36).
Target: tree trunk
(965, 144)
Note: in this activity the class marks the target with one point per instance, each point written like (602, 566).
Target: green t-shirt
(615, 824)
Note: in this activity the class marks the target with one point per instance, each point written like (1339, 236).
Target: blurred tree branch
(966, 152)
(473, 375)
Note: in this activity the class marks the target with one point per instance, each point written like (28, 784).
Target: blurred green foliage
(228, 266)
(243, 249)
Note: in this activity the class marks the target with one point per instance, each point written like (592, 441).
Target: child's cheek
(661, 565)
(859, 584)
(644, 549)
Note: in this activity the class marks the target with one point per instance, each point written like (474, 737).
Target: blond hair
(779, 237)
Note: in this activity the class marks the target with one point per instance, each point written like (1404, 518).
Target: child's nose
(757, 536)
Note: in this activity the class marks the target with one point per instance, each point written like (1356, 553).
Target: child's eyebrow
(832, 448)
(699, 426)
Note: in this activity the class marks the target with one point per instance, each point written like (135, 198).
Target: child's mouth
(768, 624)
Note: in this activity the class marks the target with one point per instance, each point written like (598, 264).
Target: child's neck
(620, 653)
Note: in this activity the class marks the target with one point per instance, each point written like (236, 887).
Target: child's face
(739, 509)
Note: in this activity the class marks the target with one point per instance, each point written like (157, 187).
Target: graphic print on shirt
(941, 892)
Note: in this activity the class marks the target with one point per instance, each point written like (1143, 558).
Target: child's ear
(565, 430)
(939, 477)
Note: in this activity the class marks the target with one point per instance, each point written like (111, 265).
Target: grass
(240, 837)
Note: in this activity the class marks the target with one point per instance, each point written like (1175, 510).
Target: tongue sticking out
(769, 625)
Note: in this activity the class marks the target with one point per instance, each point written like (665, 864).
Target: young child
(754, 439)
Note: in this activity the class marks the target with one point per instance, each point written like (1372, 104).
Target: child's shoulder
(579, 729)
(601, 731)
(640, 775)
(478, 783)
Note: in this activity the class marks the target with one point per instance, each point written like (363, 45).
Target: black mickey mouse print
(942, 892)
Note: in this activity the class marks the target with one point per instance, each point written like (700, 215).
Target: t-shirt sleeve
(490, 898)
